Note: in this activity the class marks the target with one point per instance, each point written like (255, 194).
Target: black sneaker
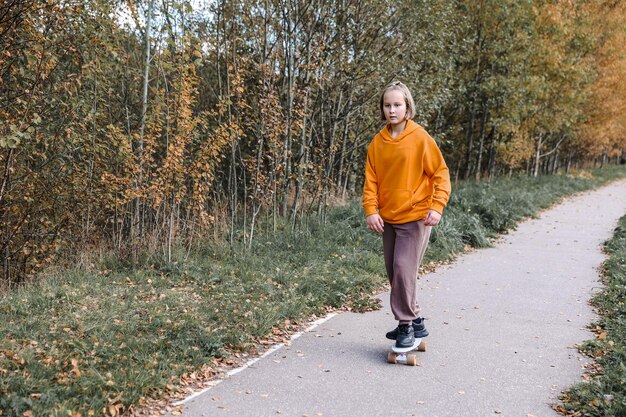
(406, 336)
(418, 327)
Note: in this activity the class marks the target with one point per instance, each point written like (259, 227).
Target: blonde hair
(408, 99)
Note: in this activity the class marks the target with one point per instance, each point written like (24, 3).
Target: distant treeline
(149, 125)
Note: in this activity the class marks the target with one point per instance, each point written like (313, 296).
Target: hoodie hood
(410, 127)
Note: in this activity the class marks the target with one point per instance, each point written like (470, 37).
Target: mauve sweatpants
(404, 246)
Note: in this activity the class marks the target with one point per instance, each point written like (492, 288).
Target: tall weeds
(604, 392)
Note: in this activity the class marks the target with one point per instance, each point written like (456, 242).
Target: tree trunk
(469, 139)
(344, 140)
(555, 162)
(138, 216)
(483, 122)
(170, 229)
(146, 75)
(538, 155)
(289, 20)
(569, 162)
(492, 154)
(302, 154)
(472, 100)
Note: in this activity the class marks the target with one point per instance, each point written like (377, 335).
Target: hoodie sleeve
(437, 170)
(370, 188)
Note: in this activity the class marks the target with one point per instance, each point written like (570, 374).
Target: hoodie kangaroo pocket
(421, 195)
(394, 201)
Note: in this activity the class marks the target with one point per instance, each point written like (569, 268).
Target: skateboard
(403, 355)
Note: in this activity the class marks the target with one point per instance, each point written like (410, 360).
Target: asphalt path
(504, 323)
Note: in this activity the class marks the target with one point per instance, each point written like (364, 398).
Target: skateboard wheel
(391, 357)
(411, 360)
(422, 346)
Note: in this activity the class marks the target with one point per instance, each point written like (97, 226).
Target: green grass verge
(604, 394)
(102, 343)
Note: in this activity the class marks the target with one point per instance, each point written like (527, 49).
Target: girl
(407, 186)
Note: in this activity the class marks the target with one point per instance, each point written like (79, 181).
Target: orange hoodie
(405, 176)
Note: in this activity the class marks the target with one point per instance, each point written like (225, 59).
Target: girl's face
(394, 107)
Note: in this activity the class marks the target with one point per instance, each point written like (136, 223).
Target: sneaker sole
(417, 335)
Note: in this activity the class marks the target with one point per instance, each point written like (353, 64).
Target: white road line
(274, 348)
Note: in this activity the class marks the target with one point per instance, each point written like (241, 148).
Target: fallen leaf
(75, 369)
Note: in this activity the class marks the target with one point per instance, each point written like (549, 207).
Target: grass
(477, 212)
(106, 342)
(604, 394)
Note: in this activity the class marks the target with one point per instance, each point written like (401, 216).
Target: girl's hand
(375, 223)
(432, 218)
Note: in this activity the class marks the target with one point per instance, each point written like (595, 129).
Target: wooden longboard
(404, 355)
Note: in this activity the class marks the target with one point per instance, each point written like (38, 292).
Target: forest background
(146, 127)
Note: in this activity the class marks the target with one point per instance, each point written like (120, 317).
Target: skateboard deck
(404, 355)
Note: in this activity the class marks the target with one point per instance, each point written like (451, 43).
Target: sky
(124, 17)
